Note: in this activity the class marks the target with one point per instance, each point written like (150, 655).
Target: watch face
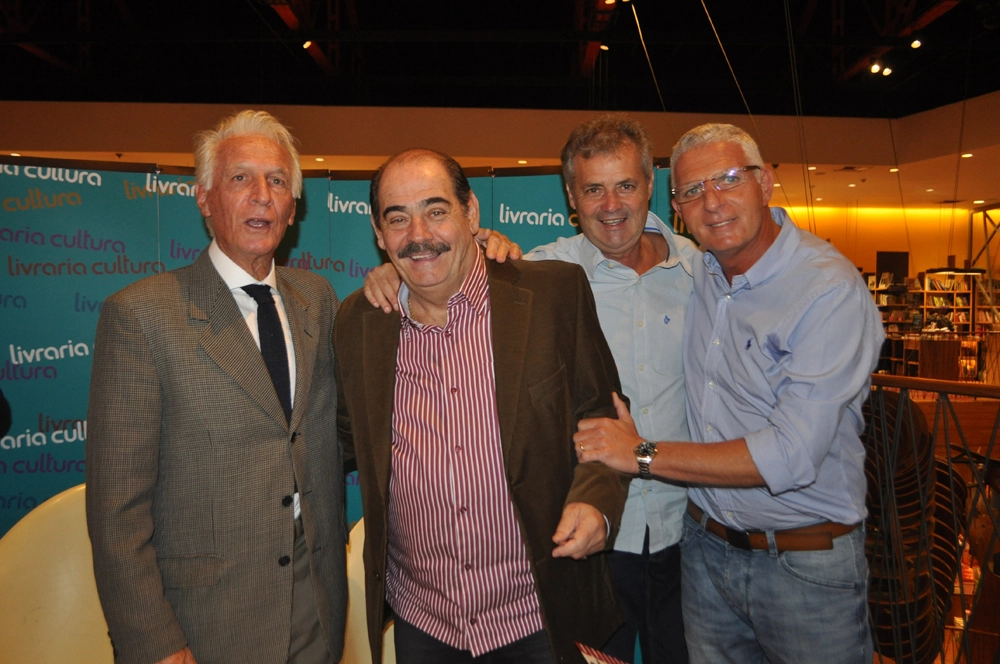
(646, 449)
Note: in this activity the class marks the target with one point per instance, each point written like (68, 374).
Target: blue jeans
(795, 607)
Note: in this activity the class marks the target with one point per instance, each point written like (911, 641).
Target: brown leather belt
(817, 537)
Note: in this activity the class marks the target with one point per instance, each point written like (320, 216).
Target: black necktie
(272, 344)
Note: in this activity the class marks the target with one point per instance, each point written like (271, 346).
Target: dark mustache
(423, 248)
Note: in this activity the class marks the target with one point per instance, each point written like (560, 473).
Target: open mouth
(613, 222)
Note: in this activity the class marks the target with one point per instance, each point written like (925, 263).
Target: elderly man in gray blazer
(214, 475)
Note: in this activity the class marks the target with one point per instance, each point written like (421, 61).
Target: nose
(712, 199)
(260, 192)
(611, 201)
(419, 230)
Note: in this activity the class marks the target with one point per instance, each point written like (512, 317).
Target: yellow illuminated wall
(930, 235)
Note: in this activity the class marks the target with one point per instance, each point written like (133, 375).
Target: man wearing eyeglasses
(780, 341)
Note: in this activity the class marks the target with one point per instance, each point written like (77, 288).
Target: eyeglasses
(731, 179)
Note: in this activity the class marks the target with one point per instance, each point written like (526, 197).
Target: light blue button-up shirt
(643, 320)
(783, 358)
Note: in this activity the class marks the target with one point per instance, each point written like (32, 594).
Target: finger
(621, 409)
(590, 423)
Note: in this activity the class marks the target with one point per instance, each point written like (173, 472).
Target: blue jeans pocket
(833, 568)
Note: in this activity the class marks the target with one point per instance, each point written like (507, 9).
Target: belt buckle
(738, 538)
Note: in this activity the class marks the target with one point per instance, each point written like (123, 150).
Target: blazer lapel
(305, 339)
(226, 338)
(380, 346)
(511, 316)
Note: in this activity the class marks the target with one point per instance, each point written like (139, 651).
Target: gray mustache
(423, 248)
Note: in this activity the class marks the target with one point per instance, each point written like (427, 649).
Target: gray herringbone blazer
(190, 461)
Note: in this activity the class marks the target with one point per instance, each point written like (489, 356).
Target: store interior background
(128, 82)
(905, 162)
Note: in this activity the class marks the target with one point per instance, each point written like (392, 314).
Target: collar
(474, 289)
(235, 276)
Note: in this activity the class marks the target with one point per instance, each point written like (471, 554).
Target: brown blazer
(553, 368)
(189, 461)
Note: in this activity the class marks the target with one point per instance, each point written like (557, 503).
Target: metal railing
(933, 470)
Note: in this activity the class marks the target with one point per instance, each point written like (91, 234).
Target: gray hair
(243, 123)
(717, 133)
(605, 135)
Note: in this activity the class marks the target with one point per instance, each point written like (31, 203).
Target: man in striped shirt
(460, 409)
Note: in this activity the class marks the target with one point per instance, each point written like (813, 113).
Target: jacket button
(378, 576)
(284, 560)
(286, 501)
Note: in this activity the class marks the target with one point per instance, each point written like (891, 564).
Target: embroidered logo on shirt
(749, 342)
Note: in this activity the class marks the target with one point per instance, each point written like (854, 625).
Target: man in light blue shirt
(641, 275)
(780, 342)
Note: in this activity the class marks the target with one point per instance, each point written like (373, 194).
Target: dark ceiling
(544, 54)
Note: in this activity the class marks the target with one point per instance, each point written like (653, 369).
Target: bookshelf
(949, 301)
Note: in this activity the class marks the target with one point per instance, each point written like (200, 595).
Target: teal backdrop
(72, 233)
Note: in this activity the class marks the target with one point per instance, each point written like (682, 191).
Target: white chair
(49, 609)
(356, 650)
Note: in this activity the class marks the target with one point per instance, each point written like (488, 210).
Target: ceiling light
(979, 202)
(929, 190)
(604, 47)
(886, 71)
(893, 170)
(966, 155)
(812, 168)
(819, 198)
(320, 159)
(609, 2)
(522, 161)
(916, 43)
(777, 184)
(852, 185)
(875, 68)
(307, 44)
(15, 154)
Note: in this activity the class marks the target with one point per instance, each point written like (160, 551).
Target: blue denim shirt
(643, 320)
(783, 358)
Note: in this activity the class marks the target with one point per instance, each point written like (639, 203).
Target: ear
(767, 183)
(291, 214)
(473, 213)
(677, 208)
(651, 184)
(201, 197)
(378, 234)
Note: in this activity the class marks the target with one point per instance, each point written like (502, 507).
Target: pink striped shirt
(457, 566)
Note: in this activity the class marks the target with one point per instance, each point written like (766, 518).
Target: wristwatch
(644, 453)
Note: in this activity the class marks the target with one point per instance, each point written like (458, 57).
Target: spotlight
(307, 44)
(916, 43)
(875, 68)
(979, 202)
(893, 170)
(604, 47)
(966, 155)
(522, 161)
(886, 71)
